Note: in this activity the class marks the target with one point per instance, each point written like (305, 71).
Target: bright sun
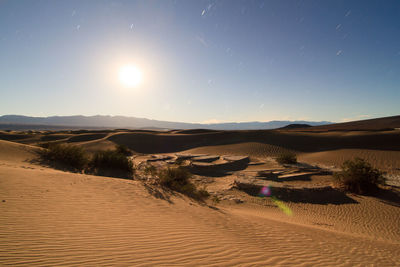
(130, 76)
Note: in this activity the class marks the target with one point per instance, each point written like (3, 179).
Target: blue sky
(202, 61)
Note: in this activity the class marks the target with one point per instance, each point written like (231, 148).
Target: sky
(202, 61)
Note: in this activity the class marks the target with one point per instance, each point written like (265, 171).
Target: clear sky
(202, 61)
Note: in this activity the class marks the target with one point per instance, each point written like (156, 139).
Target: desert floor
(51, 217)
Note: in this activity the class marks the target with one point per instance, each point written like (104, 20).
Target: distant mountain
(96, 122)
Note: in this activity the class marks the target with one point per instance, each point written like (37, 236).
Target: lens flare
(282, 206)
(265, 191)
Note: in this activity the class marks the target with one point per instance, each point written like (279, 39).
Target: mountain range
(100, 121)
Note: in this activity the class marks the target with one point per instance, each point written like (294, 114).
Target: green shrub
(110, 160)
(358, 176)
(287, 158)
(70, 156)
(177, 179)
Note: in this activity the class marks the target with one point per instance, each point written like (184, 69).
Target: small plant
(358, 176)
(179, 161)
(150, 170)
(216, 200)
(70, 156)
(174, 178)
(203, 193)
(123, 150)
(287, 158)
(111, 160)
(177, 179)
(45, 144)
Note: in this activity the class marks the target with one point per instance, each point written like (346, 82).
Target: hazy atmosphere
(201, 61)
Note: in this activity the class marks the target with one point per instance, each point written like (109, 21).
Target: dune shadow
(210, 173)
(86, 137)
(151, 143)
(270, 176)
(388, 196)
(322, 196)
(275, 177)
(47, 138)
(14, 137)
(109, 173)
(218, 170)
(195, 131)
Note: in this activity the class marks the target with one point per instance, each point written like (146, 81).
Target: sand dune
(325, 148)
(55, 218)
(16, 153)
(377, 124)
(252, 149)
(97, 145)
(385, 160)
(87, 137)
(50, 217)
(297, 141)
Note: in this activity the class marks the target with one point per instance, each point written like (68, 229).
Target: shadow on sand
(301, 175)
(151, 143)
(157, 193)
(388, 196)
(107, 172)
(275, 178)
(322, 196)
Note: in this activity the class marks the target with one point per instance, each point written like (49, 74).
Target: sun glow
(130, 76)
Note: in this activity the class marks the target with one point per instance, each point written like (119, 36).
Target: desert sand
(51, 217)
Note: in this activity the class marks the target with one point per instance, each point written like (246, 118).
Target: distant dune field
(330, 148)
(378, 124)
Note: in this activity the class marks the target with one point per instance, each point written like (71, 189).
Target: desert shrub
(177, 179)
(123, 150)
(174, 178)
(203, 193)
(45, 145)
(216, 200)
(287, 158)
(150, 170)
(110, 160)
(70, 156)
(179, 161)
(358, 176)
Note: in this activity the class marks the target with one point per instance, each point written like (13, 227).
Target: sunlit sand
(258, 213)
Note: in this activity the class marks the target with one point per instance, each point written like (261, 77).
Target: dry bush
(70, 156)
(106, 162)
(123, 150)
(177, 179)
(287, 158)
(358, 176)
(150, 170)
